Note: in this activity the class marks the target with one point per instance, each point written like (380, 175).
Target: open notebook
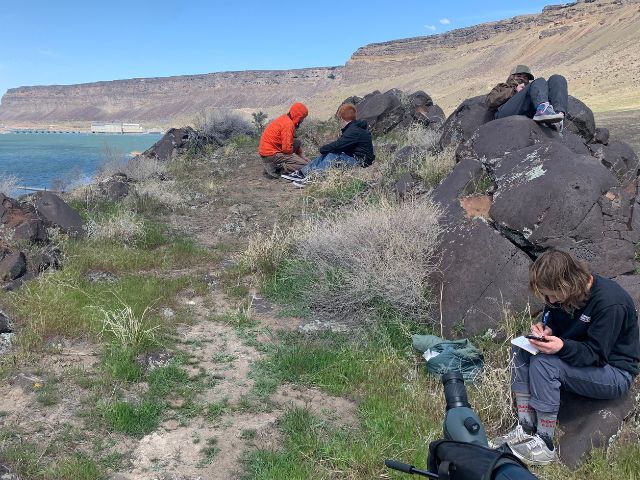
(524, 343)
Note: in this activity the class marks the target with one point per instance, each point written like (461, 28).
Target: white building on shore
(116, 128)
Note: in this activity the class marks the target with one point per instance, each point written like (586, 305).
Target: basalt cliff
(593, 43)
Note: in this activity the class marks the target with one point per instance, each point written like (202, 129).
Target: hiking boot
(293, 176)
(515, 436)
(534, 452)
(546, 113)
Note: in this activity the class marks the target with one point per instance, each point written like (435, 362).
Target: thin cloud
(431, 28)
(445, 21)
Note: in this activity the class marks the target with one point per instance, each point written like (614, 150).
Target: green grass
(134, 419)
(78, 467)
(65, 303)
(120, 363)
(289, 286)
(209, 452)
(215, 410)
(48, 395)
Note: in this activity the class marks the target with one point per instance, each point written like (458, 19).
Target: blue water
(43, 160)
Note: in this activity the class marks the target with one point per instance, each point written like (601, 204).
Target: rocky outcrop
(386, 111)
(159, 100)
(587, 423)
(56, 213)
(460, 125)
(172, 143)
(547, 189)
(576, 191)
(27, 222)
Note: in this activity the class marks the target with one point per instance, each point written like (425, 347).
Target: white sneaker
(534, 452)
(515, 436)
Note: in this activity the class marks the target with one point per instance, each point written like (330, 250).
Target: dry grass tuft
(139, 168)
(492, 390)
(373, 253)
(164, 193)
(266, 251)
(124, 226)
(128, 329)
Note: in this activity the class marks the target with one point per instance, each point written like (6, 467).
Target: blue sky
(73, 41)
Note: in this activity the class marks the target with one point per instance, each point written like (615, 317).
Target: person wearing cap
(543, 100)
(279, 149)
(354, 147)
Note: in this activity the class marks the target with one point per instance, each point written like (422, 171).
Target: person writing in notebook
(590, 346)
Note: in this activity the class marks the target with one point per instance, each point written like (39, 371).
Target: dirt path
(198, 447)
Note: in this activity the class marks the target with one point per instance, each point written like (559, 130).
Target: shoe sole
(548, 118)
(289, 177)
(298, 185)
(533, 462)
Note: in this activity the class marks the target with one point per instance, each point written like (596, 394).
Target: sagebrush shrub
(382, 253)
(217, 128)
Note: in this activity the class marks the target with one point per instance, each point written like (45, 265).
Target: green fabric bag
(460, 355)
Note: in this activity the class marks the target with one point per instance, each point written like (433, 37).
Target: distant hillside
(593, 43)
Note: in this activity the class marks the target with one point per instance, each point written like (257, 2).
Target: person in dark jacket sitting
(588, 344)
(354, 147)
(542, 100)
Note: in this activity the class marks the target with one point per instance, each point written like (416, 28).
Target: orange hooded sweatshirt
(278, 136)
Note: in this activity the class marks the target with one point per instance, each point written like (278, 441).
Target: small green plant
(48, 394)
(216, 409)
(248, 434)
(131, 419)
(120, 363)
(209, 452)
(259, 120)
(78, 467)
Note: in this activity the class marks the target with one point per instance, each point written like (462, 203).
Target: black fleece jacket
(604, 331)
(355, 141)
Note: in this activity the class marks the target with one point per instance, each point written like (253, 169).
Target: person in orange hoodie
(280, 151)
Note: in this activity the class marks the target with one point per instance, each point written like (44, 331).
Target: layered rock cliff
(593, 43)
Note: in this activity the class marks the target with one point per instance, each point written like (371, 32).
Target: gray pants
(525, 102)
(542, 375)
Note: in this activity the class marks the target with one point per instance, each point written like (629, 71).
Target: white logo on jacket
(585, 319)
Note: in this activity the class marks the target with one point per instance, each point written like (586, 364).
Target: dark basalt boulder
(601, 136)
(460, 125)
(115, 187)
(174, 142)
(383, 112)
(448, 193)
(588, 423)
(12, 264)
(406, 185)
(573, 142)
(579, 119)
(55, 212)
(547, 196)
(21, 220)
(481, 274)
(6, 325)
(386, 111)
(497, 138)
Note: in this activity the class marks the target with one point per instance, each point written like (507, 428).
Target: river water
(50, 160)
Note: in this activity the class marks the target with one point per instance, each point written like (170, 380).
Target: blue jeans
(328, 160)
(526, 101)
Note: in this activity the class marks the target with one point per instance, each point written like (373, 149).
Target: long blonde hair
(561, 272)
